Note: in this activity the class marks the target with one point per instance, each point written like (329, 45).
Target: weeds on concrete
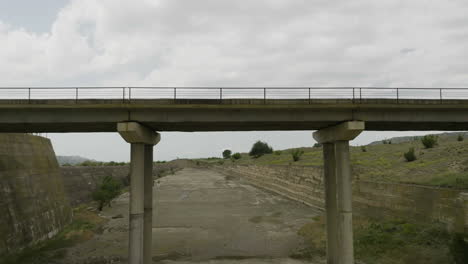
(83, 227)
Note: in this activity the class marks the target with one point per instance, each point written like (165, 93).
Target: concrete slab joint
(134, 132)
(342, 132)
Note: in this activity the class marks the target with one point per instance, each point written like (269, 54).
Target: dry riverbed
(201, 216)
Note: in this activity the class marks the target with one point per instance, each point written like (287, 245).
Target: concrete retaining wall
(81, 181)
(33, 202)
(371, 199)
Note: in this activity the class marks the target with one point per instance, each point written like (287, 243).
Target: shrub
(429, 141)
(296, 154)
(108, 190)
(317, 145)
(227, 154)
(278, 152)
(385, 142)
(260, 148)
(410, 156)
(363, 149)
(236, 156)
(460, 137)
(459, 249)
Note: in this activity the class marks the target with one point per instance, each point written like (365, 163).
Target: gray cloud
(234, 43)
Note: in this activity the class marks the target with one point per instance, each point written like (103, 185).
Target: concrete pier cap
(134, 132)
(343, 131)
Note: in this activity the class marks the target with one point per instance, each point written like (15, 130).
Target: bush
(278, 152)
(363, 149)
(260, 148)
(385, 142)
(317, 145)
(227, 154)
(108, 190)
(460, 137)
(296, 154)
(410, 156)
(459, 249)
(429, 141)
(236, 156)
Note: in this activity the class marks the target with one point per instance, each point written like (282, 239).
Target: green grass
(459, 180)
(444, 165)
(385, 242)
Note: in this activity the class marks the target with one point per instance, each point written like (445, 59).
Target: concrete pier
(142, 141)
(338, 191)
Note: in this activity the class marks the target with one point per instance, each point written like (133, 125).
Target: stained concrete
(201, 216)
(230, 115)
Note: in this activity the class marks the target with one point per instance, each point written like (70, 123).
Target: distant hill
(72, 160)
(444, 165)
(397, 140)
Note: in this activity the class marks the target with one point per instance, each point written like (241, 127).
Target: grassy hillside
(444, 165)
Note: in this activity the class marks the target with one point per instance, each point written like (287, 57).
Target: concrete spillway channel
(201, 215)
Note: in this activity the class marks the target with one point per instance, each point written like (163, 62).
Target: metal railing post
(264, 95)
(29, 95)
(309, 95)
(353, 95)
(440, 94)
(220, 94)
(175, 94)
(76, 95)
(129, 94)
(123, 94)
(397, 95)
(360, 95)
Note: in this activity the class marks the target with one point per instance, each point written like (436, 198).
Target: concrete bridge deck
(102, 115)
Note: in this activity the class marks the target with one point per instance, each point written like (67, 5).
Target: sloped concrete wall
(33, 202)
(371, 199)
(81, 181)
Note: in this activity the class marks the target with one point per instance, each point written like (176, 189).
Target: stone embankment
(370, 199)
(81, 181)
(33, 202)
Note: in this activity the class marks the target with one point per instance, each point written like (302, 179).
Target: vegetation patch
(83, 227)
(390, 242)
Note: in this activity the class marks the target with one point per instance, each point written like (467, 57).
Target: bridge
(338, 113)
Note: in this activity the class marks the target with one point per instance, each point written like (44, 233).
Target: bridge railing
(128, 94)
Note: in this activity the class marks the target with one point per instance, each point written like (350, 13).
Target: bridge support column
(338, 189)
(142, 141)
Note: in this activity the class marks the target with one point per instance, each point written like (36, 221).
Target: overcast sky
(229, 43)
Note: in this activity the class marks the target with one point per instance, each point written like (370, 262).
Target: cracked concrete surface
(201, 216)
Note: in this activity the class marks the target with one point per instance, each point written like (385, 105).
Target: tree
(460, 137)
(410, 156)
(296, 154)
(236, 156)
(363, 149)
(260, 148)
(108, 190)
(227, 154)
(429, 141)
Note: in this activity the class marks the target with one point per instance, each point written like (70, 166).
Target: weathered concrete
(203, 216)
(338, 190)
(142, 141)
(230, 115)
(33, 202)
(377, 200)
(344, 131)
(134, 132)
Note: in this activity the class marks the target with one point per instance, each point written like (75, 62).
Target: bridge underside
(230, 115)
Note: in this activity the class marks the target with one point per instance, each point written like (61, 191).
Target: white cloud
(242, 43)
